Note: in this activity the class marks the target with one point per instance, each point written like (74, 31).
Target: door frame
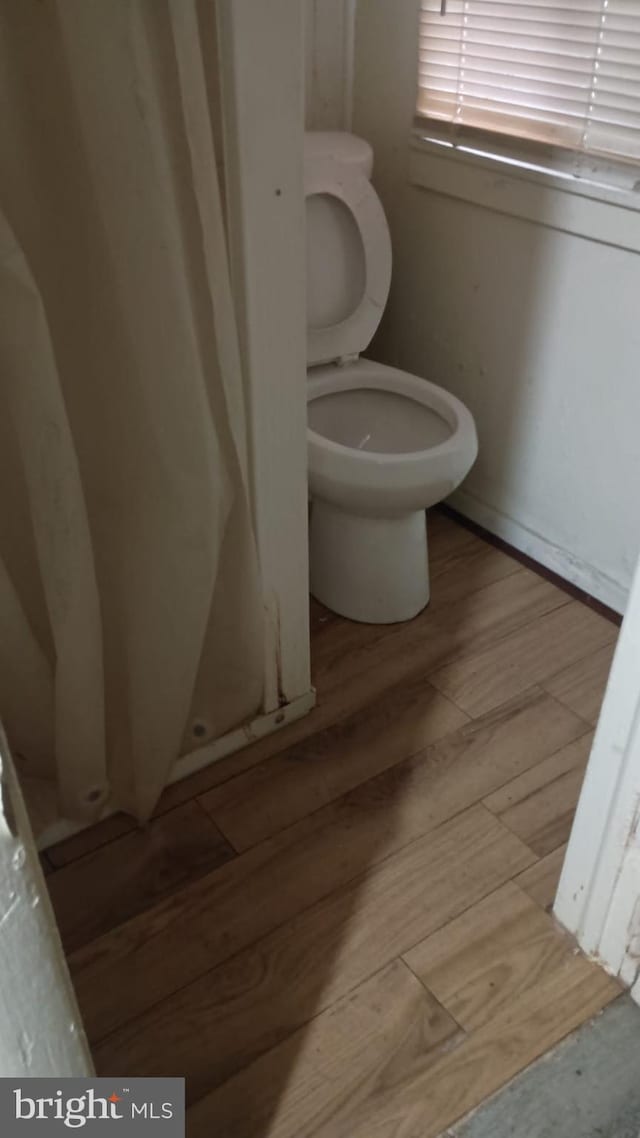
(41, 1030)
(598, 898)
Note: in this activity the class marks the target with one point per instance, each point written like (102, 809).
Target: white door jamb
(598, 897)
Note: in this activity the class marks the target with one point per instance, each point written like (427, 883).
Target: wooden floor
(344, 930)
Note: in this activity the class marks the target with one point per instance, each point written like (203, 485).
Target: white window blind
(565, 74)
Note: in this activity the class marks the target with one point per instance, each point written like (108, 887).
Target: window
(560, 77)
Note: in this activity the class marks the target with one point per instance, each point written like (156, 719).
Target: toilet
(383, 445)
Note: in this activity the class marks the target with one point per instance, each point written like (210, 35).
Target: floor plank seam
(462, 1032)
(447, 626)
(216, 825)
(536, 790)
(589, 726)
(435, 604)
(136, 827)
(467, 909)
(469, 727)
(495, 645)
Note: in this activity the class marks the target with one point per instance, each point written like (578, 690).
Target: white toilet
(383, 445)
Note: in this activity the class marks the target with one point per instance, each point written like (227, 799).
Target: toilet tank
(351, 151)
(336, 267)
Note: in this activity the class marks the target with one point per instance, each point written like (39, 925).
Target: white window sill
(601, 214)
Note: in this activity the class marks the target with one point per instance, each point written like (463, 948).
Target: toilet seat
(324, 175)
(388, 482)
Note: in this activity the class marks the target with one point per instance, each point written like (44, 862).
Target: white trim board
(197, 760)
(571, 568)
(531, 196)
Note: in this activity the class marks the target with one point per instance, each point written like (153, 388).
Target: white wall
(535, 329)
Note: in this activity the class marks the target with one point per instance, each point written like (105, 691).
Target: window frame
(587, 170)
(607, 178)
(513, 185)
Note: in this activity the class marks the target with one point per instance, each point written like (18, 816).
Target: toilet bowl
(383, 444)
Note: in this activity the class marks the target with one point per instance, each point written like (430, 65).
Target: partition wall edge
(261, 61)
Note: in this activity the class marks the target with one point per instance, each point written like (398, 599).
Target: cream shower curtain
(130, 602)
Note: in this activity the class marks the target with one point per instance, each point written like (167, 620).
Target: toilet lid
(323, 175)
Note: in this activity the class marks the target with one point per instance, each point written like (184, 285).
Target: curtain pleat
(126, 358)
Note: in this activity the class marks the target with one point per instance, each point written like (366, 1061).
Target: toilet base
(373, 570)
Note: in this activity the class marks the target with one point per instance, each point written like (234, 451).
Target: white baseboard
(196, 760)
(571, 568)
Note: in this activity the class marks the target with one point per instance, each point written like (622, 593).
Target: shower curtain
(130, 600)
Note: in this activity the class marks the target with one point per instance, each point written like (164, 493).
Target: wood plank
(418, 1100)
(528, 656)
(466, 570)
(547, 817)
(540, 881)
(351, 674)
(435, 637)
(446, 536)
(86, 841)
(334, 1067)
(118, 880)
(442, 780)
(538, 776)
(218, 1024)
(581, 686)
(482, 961)
(539, 805)
(283, 789)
